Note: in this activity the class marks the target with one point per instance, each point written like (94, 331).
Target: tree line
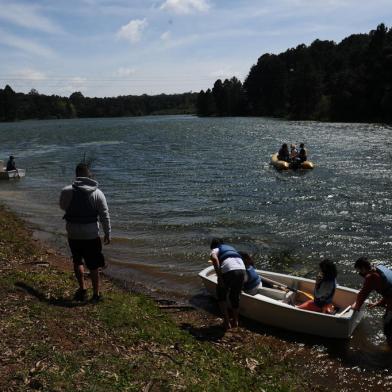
(20, 106)
(350, 81)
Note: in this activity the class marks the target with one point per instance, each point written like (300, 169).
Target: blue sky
(118, 47)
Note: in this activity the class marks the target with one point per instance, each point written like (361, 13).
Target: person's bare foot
(226, 325)
(234, 323)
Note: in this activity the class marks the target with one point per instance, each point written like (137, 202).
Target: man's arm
(368, 287)
(65, 198)
(104, 217)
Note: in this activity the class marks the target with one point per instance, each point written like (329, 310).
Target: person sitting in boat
(302, 155)
(252, 279)
(324, 289)
(283, 154)
(295, 161)
(293, 153)
(230, 270)
(11, 164)
(377, 279)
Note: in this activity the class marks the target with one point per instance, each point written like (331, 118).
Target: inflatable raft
(283, 165)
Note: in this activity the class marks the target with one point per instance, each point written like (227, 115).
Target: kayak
(275, 307)
(283, 165)
(7, 175)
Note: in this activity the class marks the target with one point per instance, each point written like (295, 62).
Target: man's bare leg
(79, 274)
(225, 312)
(95, 281)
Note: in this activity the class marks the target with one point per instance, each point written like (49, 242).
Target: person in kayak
(283, 154)
(324, 289)
(377, 279)
(230, 270)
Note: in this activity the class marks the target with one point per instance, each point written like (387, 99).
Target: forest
(348, 82)
(19, 106)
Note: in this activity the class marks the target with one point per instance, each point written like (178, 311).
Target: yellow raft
(283, 165)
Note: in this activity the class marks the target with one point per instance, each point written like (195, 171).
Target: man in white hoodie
(83, 204)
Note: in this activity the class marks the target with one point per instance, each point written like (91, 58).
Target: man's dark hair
(328, 268)
(216, 242)
(82, 170)
(362, 262)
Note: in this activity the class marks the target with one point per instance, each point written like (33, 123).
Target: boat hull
(267, 307)
(283, 165)
(8, 175)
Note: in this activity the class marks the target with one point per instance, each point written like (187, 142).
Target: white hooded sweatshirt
(86, 231)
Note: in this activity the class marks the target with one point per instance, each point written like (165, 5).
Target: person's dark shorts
(231, 283)
(88, 250)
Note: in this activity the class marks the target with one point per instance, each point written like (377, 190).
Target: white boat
(272, 306)
(6, 175)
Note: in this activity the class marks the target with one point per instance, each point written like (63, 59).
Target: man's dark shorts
(231, 282)
(88, 250)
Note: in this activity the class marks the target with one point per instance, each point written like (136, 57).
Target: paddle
(275, 283)
(343, 312)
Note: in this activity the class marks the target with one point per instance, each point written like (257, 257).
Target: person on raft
(302, 155)
(377, 279)
(284, 154)
(324, 289)
(293, 153)
(230, 270)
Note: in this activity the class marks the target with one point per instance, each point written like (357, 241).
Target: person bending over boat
(252, 279)
(230, 270)
(377, 279)
(11, 165)
(324, 289)
(283, 154)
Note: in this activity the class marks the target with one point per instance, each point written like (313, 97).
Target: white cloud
(24, 44)
(75, 83)
(225, 73)
(27, 16)
(124, 72)
(165, 36)
(133, 30)
(30, 74)
(186, 6)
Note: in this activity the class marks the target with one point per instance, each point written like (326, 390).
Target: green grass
(126, 343)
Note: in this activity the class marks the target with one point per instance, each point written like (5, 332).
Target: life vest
(324, 298)
(253, 279)
(80, 210)
(386, 276)
(226, 251)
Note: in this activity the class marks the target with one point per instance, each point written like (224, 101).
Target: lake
(174, 182)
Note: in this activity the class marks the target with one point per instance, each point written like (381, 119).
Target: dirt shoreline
(319, 370)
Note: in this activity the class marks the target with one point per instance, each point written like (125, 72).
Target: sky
(118, 47)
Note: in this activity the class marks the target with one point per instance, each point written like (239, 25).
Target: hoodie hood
(85, 184)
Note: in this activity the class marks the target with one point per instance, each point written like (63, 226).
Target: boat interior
(342, 300)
